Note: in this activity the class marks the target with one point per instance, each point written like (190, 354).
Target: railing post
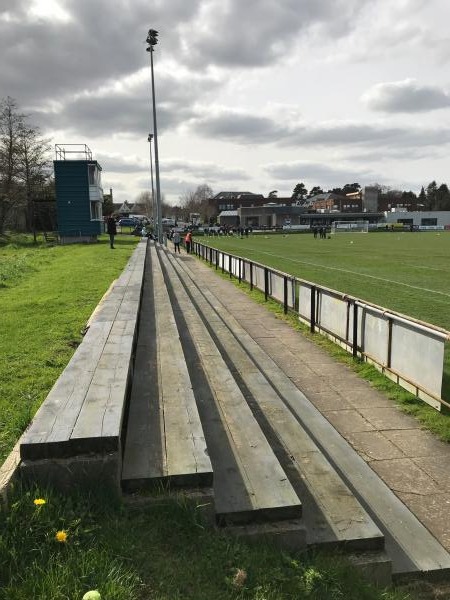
(251, 276)
(240, 265)
(223, 262)
(229, 265)
(266, 283)
(216, 254)
(313, 310)
(355, 331)
(285, 298)
(389, 349)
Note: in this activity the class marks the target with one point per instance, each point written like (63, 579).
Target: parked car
(126, 222)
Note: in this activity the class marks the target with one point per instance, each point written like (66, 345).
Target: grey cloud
(260, 32)
(319, 172)
(129, 111)
(43, 59)
(122, 164)
(406, 96)
(203, 171)
(247, 129)
(240, 127)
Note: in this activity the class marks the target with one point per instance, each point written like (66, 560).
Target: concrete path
(412, 463)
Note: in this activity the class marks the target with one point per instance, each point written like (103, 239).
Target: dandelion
(39, 501)
(61, 536)
(240, 577)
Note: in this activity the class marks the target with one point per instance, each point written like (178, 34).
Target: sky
(251, 96)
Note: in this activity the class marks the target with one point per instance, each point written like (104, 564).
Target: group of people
(320, 232)
(175, 237)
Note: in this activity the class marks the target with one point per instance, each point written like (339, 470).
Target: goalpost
(360, 226)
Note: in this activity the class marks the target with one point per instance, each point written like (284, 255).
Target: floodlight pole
(152, 40)
(154, 207)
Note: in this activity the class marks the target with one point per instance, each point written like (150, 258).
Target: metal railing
(406, 350)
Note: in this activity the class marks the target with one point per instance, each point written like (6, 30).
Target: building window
(96, 211)
(429, 222)
(91, 170)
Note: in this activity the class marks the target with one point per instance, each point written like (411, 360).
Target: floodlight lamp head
(152, 37)
(150, 137)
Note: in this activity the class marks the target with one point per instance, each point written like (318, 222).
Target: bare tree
(144, 204)
(24, 162)
(198, 201)
(11, 123)
(34, 165)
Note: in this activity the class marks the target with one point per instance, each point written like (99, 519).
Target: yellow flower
(61, 536)
(39, 501)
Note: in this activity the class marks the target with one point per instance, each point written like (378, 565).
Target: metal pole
(155, 133)
(154, 207)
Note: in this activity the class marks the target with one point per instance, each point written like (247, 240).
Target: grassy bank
(46, 296)
(161, 553)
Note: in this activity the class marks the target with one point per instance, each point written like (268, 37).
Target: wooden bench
(75, 437)
(341, 518)
(165, 443)
(249, 483)
(51, 237)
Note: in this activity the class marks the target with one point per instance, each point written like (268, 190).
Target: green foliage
(163, 551)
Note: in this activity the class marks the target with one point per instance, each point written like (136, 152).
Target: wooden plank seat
(77, 430)
(51, 237)
(249, 482)
(165, 442)
(341, 518)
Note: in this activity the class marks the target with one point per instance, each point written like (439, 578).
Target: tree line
(431, 198)
(25, 166)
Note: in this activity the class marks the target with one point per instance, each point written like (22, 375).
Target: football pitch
(402, 271)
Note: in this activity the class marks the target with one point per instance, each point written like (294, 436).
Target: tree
(300, 192)
(442, 198)
(422, 199)
(11, 122)
(34, 165)
(273, 194)
(198, 201)
(315, 190)
(24, 164)
(351, 188)
(431, 193)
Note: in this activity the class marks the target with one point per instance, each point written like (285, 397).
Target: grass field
(406, 272)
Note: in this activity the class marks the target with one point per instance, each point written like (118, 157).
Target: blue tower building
(79, 194)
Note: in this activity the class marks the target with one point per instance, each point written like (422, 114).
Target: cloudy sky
(253, 95)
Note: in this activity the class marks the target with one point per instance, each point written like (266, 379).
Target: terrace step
(249, 482)
(167, 444)
(339, 518)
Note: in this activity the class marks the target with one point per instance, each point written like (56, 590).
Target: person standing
(111, 230)
(188, 241)
(176, 241)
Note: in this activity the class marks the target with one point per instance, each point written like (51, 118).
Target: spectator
(176, 238)
(188, 241)
(111, 230)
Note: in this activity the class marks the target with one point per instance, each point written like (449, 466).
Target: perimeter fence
(408, 351)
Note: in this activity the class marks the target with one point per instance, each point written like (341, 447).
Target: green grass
(406, 272)
(46, 296)
(162, 552)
